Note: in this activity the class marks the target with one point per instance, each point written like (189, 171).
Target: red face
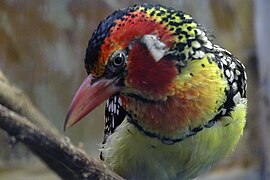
(128, 30)
(146, 75)
(143, 44)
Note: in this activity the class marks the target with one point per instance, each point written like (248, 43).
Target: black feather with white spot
(114, 115)
(234, 72)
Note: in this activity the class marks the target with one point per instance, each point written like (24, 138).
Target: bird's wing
(114, 115)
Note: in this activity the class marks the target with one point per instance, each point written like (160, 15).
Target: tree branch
(15, 100)
(68, 161)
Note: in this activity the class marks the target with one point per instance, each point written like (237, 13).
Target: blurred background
(42, 48)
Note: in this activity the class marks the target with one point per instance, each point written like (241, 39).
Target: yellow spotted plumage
(176, 101)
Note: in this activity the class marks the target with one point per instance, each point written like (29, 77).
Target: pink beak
(88, 97)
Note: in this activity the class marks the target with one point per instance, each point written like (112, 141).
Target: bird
(175, 101)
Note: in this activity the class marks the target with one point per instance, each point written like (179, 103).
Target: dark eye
(118, 59)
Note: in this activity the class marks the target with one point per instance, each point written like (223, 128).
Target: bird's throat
(184, 107)
(168, 117)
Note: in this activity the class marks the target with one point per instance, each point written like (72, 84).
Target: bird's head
(137, 52)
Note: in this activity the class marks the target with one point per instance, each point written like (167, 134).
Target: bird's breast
(137, 156)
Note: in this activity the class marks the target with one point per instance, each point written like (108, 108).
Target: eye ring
(118, 59)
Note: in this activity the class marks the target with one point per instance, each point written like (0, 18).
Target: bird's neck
(185, 106)
(169, 117)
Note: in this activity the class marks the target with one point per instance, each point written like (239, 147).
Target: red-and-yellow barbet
(176, 102)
